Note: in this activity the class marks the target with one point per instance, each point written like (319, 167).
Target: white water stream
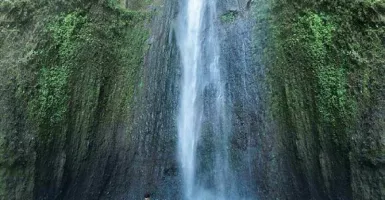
(202, 112)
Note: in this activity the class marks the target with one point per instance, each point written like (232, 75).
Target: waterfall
(190, 112)
(203, 123)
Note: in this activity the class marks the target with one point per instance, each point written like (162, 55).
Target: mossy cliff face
(325, 64)
(89, 92)
(69, 75)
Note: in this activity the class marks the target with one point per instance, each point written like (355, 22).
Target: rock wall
(89, 93)
(69, 77)
(323, 69)
(155, 167)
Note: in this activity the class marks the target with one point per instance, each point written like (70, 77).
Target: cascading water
(203, 122)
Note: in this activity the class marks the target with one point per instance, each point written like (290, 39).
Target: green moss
(332, 96)
(64, 33)
(328, 44)
(50, 103)
(229, 17)
(112, 45)
(314, 33)
(52, 94)
(325, 61)
(65, 71)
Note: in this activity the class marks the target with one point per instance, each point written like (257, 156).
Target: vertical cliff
(70, 71)
(89, 94)
(155, 168)
(325, 66)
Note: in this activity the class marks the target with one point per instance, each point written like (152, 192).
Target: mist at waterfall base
(204, 120)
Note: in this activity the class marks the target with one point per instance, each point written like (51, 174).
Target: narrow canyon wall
(69, 75)
(89, 93)
(325, 62)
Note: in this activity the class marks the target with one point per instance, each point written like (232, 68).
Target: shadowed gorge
(192, 99)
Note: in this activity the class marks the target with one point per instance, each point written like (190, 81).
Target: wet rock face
(118, 139)
(368, 157)
(244, 75)
(155, 163)
(155, 167)
(233, 5)
(256, 147)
